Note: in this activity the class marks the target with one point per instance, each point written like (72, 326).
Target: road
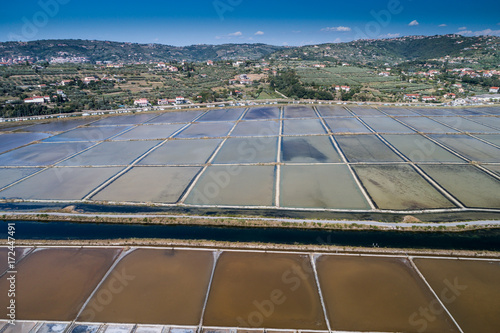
(390, 225)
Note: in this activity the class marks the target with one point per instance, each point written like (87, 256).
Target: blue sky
(288, 22)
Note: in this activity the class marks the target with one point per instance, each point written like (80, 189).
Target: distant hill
(485, 49)
(410, 48)
(132, 52)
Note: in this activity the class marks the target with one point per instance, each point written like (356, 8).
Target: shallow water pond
(302, 126)
(320, 186)
(386, 125)
(399, 187)
(470, 147)
(89, 134)
(281, 285)
(222, 115)
(333, 111)
(53, 284)
(312, 149)
(257, 128)
(235, 185)
(206, 130)
(418, 148)
(346, 125)
(149, 184)
(175, 117)
(60, 184)
(426, 125)
(376, 294)
(248, 150)
(150, 132)
(473, 187)
(299, 111)
(163, 287)
(366, 148)
(262, 113)
(469, 289)
(182, 152)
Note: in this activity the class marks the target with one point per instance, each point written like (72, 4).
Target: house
(163, 101)
(89, 79)
(412, 97)
(180, 100)
(346, 88)
(244, 79)
(457, 85)
(428, 98)
(37, 99)
(142, 102)
(319, 65)
(65, 82)
(210, 63)
(450, 95)
(494, 90)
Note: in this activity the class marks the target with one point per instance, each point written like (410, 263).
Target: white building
(142, 102)
(37, 99)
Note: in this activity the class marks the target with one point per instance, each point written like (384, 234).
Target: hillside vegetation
(486, 49)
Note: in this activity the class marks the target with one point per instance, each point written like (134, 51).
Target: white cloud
(238, 34)
(259, 33)
(486, 32)
(390, 35)
(337, 40)
(338, 29)
(462, 28)
(413, 23)
(442, 25)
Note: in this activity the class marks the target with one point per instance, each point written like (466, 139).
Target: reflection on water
(315, 149)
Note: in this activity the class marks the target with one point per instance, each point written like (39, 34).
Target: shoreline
(262, 247)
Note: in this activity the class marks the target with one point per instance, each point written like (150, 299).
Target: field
(324, 158)
(348, 75)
